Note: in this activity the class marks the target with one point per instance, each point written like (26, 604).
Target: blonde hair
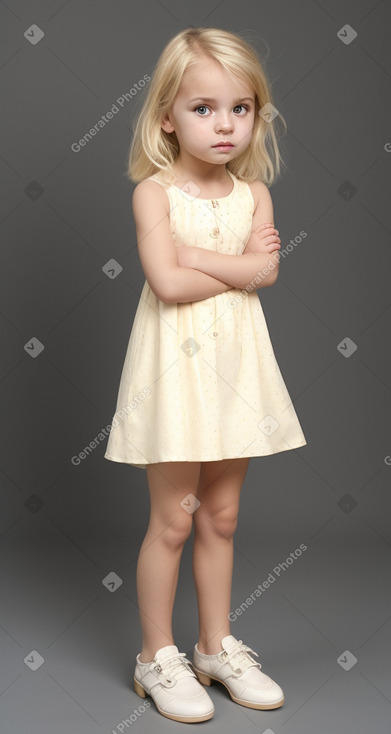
(153, 150)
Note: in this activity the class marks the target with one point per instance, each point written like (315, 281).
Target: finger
(263, 229)
(270, 238)
(265, 224)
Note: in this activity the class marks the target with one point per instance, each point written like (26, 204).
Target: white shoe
(240, 674)
(174, 687)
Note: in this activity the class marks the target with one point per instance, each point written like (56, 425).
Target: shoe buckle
(168, 682)
(236, 671)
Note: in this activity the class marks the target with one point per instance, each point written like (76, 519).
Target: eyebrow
(210, 99)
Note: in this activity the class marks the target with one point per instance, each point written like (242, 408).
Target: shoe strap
(173, 667)
(238, 658)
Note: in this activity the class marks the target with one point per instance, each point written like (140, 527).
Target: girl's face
(211, 107)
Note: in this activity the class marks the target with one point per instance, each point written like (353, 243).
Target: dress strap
(156, 178)
(166, 186)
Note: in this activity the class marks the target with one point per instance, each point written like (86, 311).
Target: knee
(178, 530)
(221, 522)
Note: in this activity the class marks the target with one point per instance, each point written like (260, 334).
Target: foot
(173, 686)
(234, 667)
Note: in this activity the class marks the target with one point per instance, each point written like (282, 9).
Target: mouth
(224, 145)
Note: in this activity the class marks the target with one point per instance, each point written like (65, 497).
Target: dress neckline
(211, 198)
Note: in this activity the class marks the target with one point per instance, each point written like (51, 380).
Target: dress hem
(142, 465)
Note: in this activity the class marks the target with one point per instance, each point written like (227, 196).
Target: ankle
(146, 657)
(147, 654)
(210, 648)
(211, 644)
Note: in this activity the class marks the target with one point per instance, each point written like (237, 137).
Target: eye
(245, 107)
(202, 107)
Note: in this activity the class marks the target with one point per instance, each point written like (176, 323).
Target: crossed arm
(251, 270)
(179, 274)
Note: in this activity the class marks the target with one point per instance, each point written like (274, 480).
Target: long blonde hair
(153, 150)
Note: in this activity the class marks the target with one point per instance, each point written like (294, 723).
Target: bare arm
(239, 270)
(158, 253)
(189, 284)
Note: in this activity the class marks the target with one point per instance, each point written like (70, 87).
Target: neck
(201, 172)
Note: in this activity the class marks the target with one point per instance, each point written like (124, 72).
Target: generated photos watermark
(272, 577)
(275, 258)
(104, 432)
(110, 114)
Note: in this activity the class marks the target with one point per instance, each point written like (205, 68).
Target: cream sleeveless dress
(200, 381)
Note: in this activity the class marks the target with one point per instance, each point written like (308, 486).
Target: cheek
(193, 136)
(200, 131)
(247, 129)
(193, 127)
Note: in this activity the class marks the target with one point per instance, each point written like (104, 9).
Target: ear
(166, 124)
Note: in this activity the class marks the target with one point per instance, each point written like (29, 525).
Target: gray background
(65, 527)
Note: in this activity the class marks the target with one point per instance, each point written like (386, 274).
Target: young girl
(201, 391)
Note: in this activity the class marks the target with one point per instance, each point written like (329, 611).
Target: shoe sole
(206, 680)
(184, 719)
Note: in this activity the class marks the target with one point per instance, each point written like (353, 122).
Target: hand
(263, 238)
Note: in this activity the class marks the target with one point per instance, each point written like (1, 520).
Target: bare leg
(215, 522)
(161, 550)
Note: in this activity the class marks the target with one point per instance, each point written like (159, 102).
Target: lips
(224, 144)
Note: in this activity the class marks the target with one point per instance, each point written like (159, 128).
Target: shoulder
(260, 192)
(263, 206)
(149, 193)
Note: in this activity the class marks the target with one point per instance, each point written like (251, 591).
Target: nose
(223, 121)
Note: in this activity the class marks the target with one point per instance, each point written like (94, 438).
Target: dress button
(215, 232)
(213, 334)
